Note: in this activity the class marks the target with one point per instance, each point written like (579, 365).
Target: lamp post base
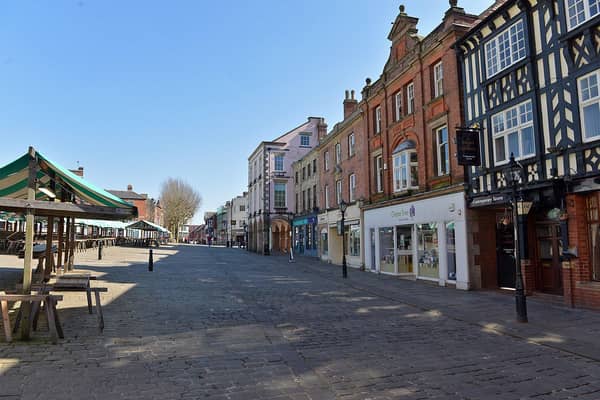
(521, 303)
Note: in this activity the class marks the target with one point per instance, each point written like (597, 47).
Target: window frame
(438, 79)
(378, 119)
(407, 166)
(410, 98)
(438, 151)
(326, 197)
(587, 103)
(326, 160)
(338, 191)
(586, 13)
(398, 105)
(304, 136)
(351, 145)
(493, 52)
(275, 191)
(379, 173)
(276, 158)
(506, 132)
(351, 187)
(338, 153)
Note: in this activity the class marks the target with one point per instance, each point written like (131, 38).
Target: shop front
(425, 239)
(306, 238)
(330, 234)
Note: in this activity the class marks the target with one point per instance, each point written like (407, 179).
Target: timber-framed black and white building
(530, 78)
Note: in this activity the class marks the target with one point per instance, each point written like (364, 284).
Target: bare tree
(180, 202)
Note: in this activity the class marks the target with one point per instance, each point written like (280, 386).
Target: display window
(428, 251)
(386, 250)
(451, 250)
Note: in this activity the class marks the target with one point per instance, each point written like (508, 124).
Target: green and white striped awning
(56, 181)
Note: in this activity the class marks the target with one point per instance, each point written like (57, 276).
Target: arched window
(406, 167)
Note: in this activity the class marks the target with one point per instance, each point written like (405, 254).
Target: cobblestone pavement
(226, 324)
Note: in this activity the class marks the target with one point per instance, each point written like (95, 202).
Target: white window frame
(379, 172)
(586, 13)
(302, 138)
(442, 146)
(352, 188)
(275, 185)
(398, 105)
(338, 153)
(327, 161)
(338, 191)
(326, 197)
(351, 143)
(410, 98)
(519, 119)
(593, 97)
(278, 157)
(378, 119)
(501, 49)
(438, 80)
(403, 164)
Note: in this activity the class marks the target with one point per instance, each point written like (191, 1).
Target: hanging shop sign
(467, 143)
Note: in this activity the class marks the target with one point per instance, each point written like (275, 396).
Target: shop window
(594, 235)
(451, 250)
(354, 244)
(324, 243)
(404, 249)
(428, 252)
(386, 250)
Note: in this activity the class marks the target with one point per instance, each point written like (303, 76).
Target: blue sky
(137, 91)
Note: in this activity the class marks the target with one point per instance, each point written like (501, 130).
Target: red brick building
(414, 217)
(342, 159)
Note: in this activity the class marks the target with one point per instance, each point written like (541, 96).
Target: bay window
(405, 166)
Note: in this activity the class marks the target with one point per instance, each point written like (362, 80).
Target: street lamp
(343, 206)
(513, 174)
(245, 226)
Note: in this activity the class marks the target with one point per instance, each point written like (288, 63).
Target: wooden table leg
(6, 320)
(99, 311)
(88, 292)
(56, 319)
(51, 323)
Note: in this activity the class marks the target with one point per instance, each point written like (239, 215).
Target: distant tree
(179, 202)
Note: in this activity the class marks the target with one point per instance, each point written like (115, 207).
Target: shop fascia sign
(489, 200)
(404, 214)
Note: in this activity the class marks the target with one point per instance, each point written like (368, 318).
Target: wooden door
(549, 249)
(505, 256)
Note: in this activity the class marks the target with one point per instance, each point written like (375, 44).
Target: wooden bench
(37, 300)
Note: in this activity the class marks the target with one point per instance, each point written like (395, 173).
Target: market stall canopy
(144, 225)
(101, 223)
(77, 197)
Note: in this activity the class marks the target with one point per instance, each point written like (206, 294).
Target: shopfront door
(505, 258)
(549, 272)
(373, 256)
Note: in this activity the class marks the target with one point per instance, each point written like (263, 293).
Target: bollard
(150, 262)
(100, 251)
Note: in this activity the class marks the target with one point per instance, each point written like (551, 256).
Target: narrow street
(222, 323)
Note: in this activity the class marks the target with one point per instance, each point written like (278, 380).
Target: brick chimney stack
(350, 103)
(321, 129)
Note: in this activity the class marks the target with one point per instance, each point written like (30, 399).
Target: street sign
(467, 142)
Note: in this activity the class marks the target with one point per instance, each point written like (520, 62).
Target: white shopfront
(426, 239)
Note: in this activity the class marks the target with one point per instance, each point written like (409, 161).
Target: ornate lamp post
(343, 206)
(513, 174)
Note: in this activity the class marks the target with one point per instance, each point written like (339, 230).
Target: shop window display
(428, 251)
(354, 245)
(404, 249)
(386, 250)
(451, 250)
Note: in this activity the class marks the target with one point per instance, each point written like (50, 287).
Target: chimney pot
(352, 94)
(129, 188)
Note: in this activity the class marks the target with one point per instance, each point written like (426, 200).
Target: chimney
(350, 103)
(321, 129)
(129, 188)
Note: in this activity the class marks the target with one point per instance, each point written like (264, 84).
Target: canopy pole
(49, 253)
(59, 255)
(28, 257)
(66, 250)
(72, 246)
